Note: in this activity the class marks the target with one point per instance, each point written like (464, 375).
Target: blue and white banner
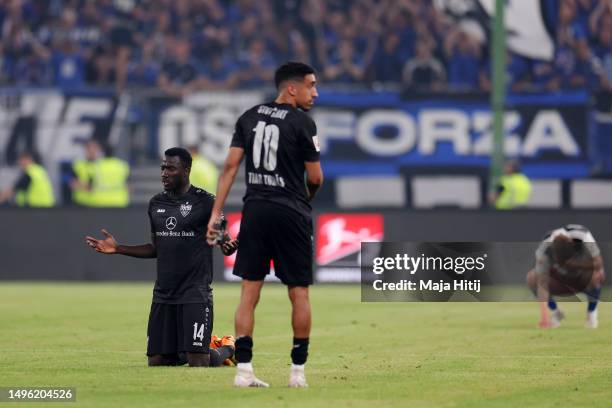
(52, 122)
(381, 133)
(204, 119)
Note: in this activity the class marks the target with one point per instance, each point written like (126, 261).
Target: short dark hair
(291, 70)
(182, 154)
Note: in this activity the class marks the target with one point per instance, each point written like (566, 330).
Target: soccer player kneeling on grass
(568, 261)
(181, 318)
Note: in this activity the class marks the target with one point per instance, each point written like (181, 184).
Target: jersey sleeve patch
(317, 144)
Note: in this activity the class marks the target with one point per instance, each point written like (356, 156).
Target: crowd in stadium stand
(184, 45)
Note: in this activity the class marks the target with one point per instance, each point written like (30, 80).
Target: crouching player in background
(568, 261)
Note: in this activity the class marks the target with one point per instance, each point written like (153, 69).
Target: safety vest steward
(109, 187)
(516, 191)
(84, 170)
(204, 174)
(40, 191)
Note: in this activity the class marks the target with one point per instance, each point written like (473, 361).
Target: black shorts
(270, 231)
(560, 285)
(180, 328)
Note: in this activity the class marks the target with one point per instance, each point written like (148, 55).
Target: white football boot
(555, 318)
(297, 378)
(592, 321)
(245, 377)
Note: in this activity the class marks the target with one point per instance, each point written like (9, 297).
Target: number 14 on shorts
(198, 331)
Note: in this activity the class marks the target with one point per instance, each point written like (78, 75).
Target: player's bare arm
(314, 178)
(108, 245)
(542, 291)
(599, 275)
(228, 175)
(598, 265)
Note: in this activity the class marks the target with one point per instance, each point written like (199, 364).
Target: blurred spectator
(604, 53)
(33, 187)
(143, 68)
(258, 68)
(345, 66)
(463, 54)
(600, 17)
(299, 49)
(364, 35)
(570, 29)
(31, 69)
(334, 23)
(402, 24)
(68, 65)
(242, 39)
(584, 8)
(388, 60)
(543, 76)
(181, 75)
(517, 72)
(424, 72)
(20, 47)
(215, 35)
(587, 68)
(220, 73)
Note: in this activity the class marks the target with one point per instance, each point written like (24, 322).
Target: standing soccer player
(181, 317)
(568, 261)
(280, 144)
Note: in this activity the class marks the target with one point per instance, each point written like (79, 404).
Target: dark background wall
(50, 244)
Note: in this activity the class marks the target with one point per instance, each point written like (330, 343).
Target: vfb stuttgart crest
(185, 209)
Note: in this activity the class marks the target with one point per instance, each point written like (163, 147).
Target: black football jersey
(184, 259)
(277, 140)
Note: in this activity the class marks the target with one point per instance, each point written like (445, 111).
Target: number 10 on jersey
(266, 136)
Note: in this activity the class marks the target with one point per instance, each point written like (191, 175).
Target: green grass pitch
(93, 337)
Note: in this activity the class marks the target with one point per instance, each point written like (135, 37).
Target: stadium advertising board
(381, 134)
(337, 244)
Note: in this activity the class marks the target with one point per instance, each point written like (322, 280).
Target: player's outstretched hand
(108, 245)
(229, 247)
(544, 314)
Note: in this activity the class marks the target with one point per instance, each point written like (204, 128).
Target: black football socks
(299, 352)
(244, 349)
